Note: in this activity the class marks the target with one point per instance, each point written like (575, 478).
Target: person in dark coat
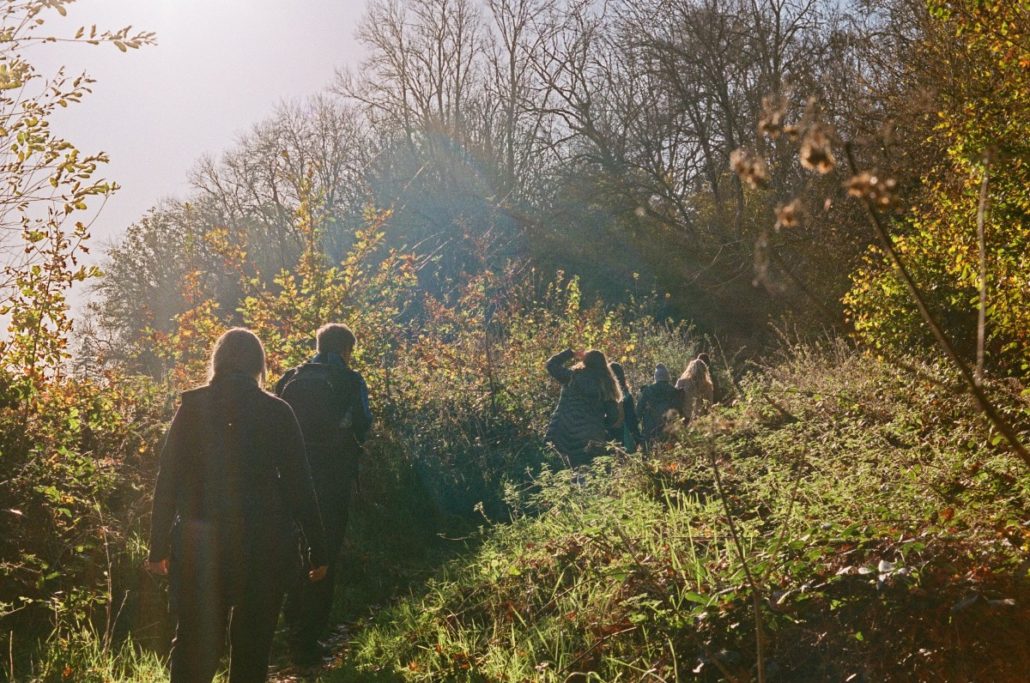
(628, 435)
(660, 405)
(331, 401)
(589, 405)
(232, 485)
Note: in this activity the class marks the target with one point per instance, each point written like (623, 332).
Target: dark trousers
(308, 605)
(208, 601)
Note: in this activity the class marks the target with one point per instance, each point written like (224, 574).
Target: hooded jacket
(659, 405)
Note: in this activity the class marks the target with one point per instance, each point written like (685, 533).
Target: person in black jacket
(233, 481)
(628, 435)
(660, 406)
(331, 403)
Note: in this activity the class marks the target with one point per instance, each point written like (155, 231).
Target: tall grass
(874, 511)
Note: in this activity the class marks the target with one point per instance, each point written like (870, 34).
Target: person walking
(660, 405)
(588, 406)
(330, 400)
(232, 485)
(698, 389)
(628, 434)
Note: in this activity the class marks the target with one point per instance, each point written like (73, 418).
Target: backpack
(661, 400)
(318, 400)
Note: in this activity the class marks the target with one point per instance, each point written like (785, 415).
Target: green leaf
(695, 597)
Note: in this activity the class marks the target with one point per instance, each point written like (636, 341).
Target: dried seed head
(773, 109)
(749, 167)
(860, 185)
(788, 215)
(816, 150)
(869, 186)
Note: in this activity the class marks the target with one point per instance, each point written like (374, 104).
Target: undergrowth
(884, 526)
(885, 529)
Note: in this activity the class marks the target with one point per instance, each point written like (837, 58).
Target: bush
(978, 52)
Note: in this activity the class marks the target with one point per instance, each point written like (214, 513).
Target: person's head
(596, 364)
(335, 338)
(703, 357)
(595, 360)
(662, 374)
(238, 352)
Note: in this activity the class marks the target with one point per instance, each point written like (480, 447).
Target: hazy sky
(219, 67)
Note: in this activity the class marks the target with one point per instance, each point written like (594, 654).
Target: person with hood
(588, 406)
(660, 405)
(628, 435)
(232, 485)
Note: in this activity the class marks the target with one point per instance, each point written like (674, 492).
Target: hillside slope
(885, 530)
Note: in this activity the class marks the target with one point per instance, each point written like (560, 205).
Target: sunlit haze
(218, 67)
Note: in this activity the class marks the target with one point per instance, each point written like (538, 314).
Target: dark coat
(630, 424)
(233, 481)
(580, 422)
(351, 392)
(660, 403)
(335, 463)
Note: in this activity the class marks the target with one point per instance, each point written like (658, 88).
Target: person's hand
(159, 568)
(318, 573)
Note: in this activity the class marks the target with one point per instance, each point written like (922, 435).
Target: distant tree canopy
(593, 138)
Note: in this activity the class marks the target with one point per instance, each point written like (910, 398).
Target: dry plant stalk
(756, 594)
(986, 406)
(981, 317)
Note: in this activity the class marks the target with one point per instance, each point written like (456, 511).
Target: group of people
(596, 406)
(251, 504)
(253, 490)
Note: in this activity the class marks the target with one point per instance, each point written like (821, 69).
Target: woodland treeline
(499, 180)
(595, 139)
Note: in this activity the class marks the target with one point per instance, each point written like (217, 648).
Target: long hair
(620, 376)
(595, 364)
(238, 351)
(698, 390)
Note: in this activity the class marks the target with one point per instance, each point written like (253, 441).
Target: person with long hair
(696, 385)
(628, 434)
(232, 485)
(589, 405)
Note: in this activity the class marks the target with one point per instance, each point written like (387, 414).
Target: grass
(886, 532)
(884, 528)
(84, 657)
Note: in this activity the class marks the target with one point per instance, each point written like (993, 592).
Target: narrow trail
(282, 671)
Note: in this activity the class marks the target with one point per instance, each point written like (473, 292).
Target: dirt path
(281, 671)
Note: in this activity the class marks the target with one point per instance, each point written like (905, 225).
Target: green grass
(883, 523)
(83, 656)
(885, 528)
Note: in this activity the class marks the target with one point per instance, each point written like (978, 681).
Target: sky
(219, 67)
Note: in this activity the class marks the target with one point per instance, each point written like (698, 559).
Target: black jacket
(233, 481)
(352, 392)
(660, 404)
(580, 422)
